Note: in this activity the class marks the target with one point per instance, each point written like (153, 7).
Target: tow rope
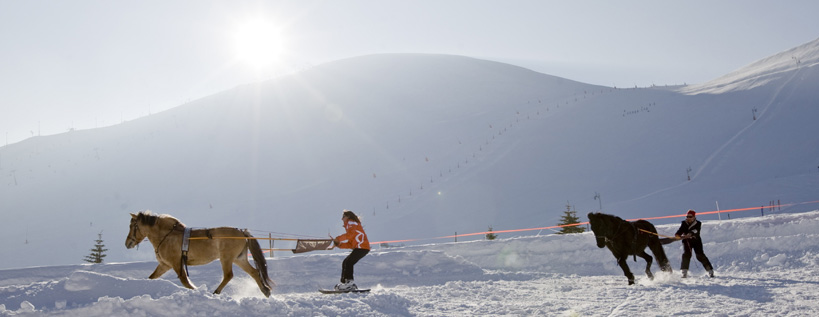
(657, 234)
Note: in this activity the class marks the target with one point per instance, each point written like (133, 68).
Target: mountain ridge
(761, 72)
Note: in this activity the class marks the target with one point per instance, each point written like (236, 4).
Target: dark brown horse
(625, 238)
(228, 245)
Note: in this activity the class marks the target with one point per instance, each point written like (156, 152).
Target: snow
(424, 147)
(764, 266)
(761, 72)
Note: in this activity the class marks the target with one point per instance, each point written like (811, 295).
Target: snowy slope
(764, 265)
(762, 72)
(421, 145)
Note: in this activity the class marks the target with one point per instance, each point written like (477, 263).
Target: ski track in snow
(765, 266)
(732, 140)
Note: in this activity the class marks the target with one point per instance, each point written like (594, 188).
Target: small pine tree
(570, 217)
(490, 235)
(98, 252)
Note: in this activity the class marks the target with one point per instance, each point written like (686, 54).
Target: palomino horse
(625, 238)
(229, 245)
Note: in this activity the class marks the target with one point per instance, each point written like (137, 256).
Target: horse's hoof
(630, 282)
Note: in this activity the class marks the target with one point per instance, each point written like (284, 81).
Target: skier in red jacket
(354, 238)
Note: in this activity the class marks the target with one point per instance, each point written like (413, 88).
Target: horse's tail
(657, 248)
(258, 258)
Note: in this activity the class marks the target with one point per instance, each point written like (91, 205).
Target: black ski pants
(349, 262)
(696, 245)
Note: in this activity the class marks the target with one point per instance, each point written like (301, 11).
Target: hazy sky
(85, 64)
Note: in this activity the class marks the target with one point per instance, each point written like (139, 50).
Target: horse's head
(599, 228)
(135, 236)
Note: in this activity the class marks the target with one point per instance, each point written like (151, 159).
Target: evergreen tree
(570, 217)
(490, 235)
(98, 252)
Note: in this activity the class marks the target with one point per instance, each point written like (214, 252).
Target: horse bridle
(135, 228)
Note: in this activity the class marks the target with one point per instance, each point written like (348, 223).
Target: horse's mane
(148, 218)
(607, 216)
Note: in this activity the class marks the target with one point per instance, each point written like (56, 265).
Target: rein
(156, 250)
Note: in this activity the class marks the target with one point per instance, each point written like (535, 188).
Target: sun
(258, 43)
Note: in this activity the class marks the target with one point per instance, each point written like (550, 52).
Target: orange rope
(583, 223)
(532, 229)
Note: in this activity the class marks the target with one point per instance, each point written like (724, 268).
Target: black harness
(617, 232)
(185, 240)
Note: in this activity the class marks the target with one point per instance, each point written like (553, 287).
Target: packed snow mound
(762, 72)
(82, 288)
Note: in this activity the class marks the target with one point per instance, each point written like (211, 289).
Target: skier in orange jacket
(354, 238)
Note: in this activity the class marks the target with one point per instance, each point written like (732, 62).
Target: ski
(332, 291)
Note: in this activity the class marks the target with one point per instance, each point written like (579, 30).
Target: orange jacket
(354, 238)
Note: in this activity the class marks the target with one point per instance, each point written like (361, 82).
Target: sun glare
(258, 43)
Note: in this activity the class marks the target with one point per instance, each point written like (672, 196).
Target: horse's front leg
(649, 260)
(160, 269)
(183, 275)
(624, 266)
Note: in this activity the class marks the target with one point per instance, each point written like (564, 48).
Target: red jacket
(354, 238)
